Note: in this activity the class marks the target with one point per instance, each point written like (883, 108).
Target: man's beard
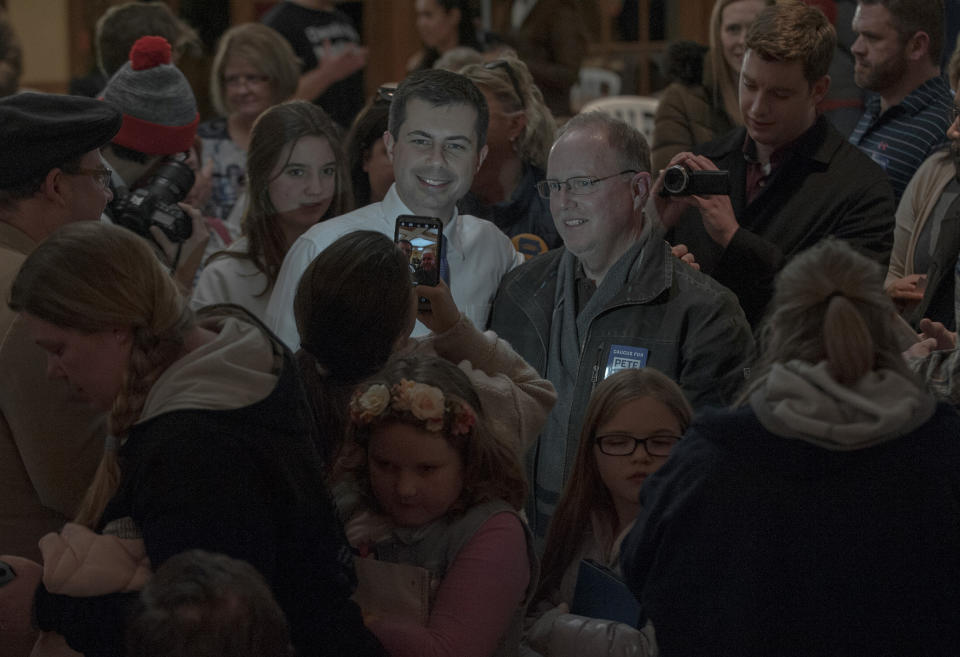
(884, 75)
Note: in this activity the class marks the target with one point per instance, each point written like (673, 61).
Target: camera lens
(675, 179)
(171, 182)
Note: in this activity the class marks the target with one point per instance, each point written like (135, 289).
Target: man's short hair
(790, 31)
(627, 142)
(912, 16)
(201, 604)
(439, 88)
(120, 26)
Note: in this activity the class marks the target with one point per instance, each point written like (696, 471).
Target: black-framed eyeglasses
(577, 185)
(505, 65)
(954, 114)
(621, 444)
(103, 175)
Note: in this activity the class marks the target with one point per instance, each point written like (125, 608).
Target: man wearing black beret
(51, 174)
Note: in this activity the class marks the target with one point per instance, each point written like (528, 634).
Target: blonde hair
(497, 78)
(264, 49)
(278, 127)
(585, 495)
(725, 80)
(829, 305)
(492, 468)
(90, 277)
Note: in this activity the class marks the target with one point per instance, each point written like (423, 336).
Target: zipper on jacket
(596, 368)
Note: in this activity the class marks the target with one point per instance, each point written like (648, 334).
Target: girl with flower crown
(450, 489)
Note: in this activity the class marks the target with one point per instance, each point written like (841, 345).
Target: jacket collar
(535, 283)
(819, 143)
(15, 239)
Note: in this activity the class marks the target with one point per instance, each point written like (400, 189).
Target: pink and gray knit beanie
(159, 110)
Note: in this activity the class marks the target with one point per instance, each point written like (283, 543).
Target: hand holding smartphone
(421, 239)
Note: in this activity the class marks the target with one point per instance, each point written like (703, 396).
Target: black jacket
(826, 187)
(246, 482)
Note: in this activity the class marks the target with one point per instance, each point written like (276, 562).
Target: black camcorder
(681, 181)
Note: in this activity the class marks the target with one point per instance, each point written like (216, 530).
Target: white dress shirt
(478, 255)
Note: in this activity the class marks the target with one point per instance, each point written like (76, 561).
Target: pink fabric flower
(426, 403)
(372, 402)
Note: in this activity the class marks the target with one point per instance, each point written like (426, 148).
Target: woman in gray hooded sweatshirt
(821, 515)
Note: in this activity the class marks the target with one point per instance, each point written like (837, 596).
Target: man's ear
(389, 143)
(640, 188)
(54, 187)
(820, 89)
(918, 46)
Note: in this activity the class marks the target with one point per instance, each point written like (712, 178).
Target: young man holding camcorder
(791, 178)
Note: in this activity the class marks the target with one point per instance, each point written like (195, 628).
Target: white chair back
(638, 111)
(594, 83)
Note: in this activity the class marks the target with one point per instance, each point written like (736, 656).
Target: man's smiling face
(435, 156)
(596, 227)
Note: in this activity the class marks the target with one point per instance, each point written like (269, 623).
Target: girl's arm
(476, 601)
(502, 378)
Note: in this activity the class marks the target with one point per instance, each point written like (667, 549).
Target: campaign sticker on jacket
(624, 357)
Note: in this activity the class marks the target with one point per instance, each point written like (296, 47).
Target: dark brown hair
(277, 130)
(791, 30)
(351, 307)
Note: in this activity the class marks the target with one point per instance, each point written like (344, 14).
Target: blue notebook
(601, 594)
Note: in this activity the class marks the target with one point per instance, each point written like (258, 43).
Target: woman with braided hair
(821, 515)
(212, 443)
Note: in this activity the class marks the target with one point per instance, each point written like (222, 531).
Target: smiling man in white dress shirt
(436, 141)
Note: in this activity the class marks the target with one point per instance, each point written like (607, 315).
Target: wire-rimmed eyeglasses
(577, 185)
(103, 176)
(621, 444)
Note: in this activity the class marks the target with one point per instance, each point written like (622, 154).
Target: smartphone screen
(419, 238)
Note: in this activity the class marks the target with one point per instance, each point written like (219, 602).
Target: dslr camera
(155, 203)
(678, 180)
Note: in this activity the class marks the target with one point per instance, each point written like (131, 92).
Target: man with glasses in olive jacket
(613, 297)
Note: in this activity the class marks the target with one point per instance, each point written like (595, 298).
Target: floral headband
(409, 400)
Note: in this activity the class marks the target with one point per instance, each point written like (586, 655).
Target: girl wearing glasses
(634, 419)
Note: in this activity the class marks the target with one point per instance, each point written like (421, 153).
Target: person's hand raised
(443, 314)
